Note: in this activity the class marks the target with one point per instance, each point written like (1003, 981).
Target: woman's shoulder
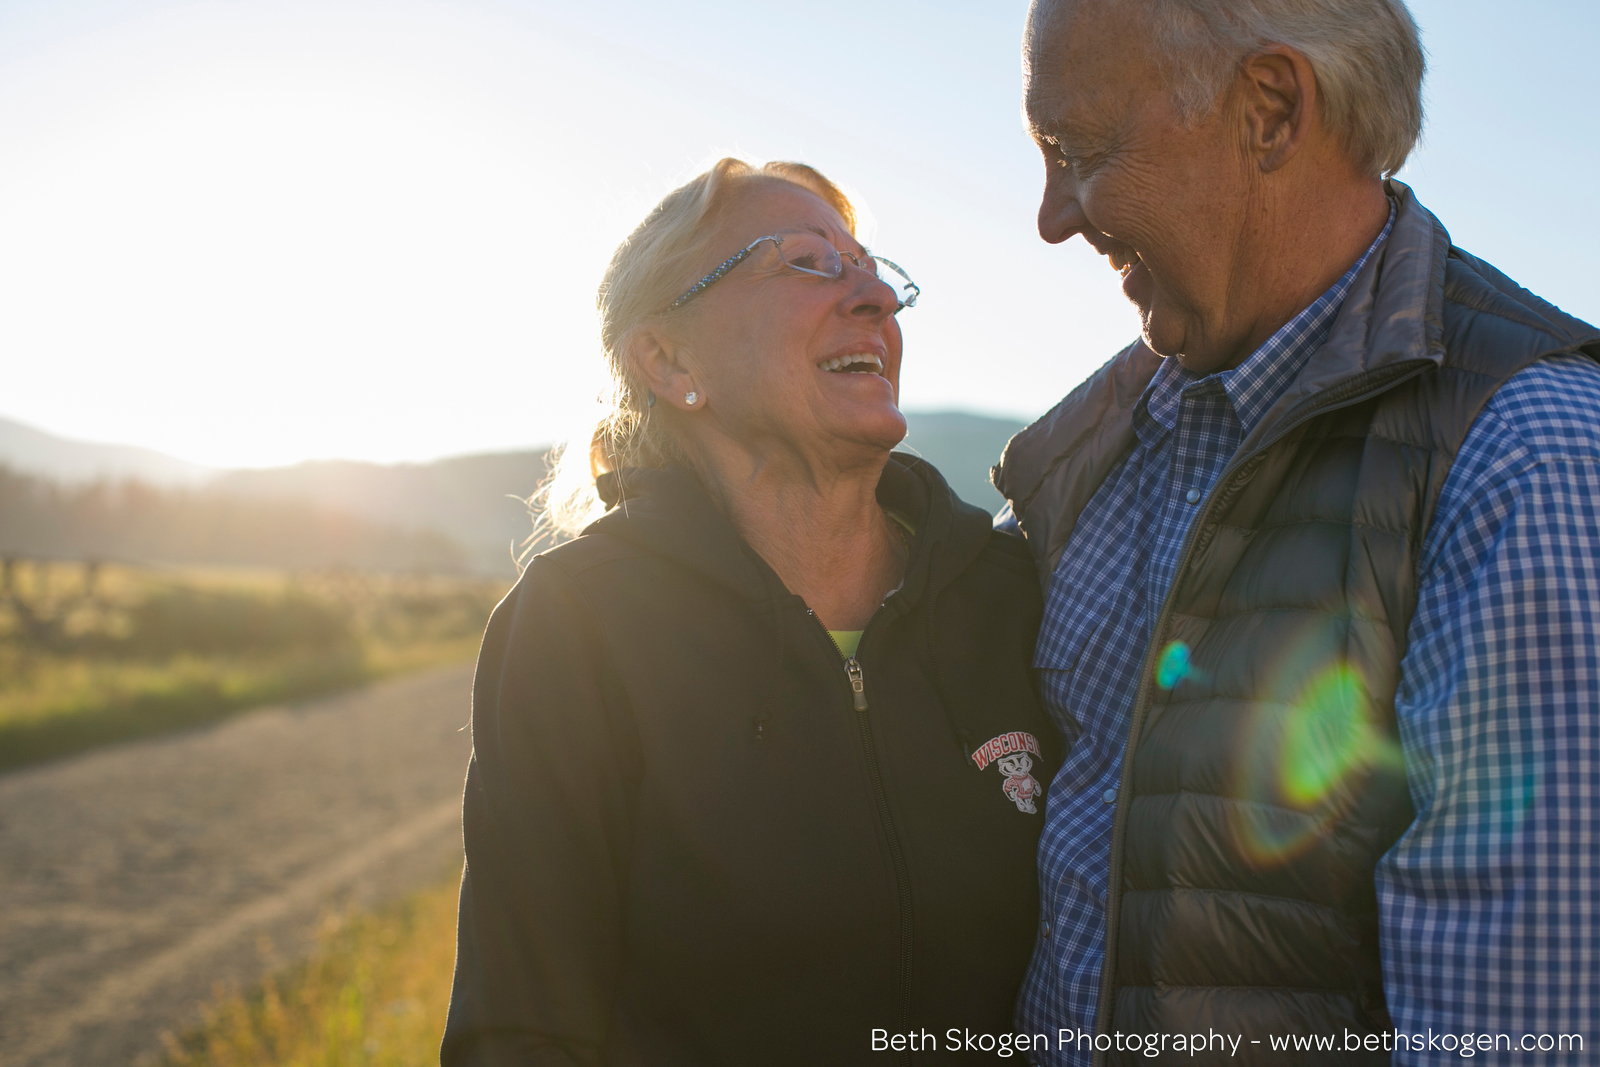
(1002, 573)
(1010, 552)
(580, 571)
(577, 558)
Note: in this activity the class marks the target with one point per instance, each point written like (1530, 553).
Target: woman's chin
(878, 425)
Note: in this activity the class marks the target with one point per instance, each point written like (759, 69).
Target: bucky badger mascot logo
(1013, 753)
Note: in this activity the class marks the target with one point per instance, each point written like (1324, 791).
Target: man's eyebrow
(1051, 130)
(1071, 138)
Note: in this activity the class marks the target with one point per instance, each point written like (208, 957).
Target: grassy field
(92, 654)
(374, 995)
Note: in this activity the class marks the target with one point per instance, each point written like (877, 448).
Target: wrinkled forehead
(1083, 60)
(767, 205)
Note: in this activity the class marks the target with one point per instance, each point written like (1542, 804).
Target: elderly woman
(757, 760)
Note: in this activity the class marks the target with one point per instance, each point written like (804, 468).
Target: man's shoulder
(1494, 326)
(1544, 419)
(1074, 424)
(1547, 401)
(1549, 410)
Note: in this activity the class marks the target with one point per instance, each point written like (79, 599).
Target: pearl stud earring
(690, 398)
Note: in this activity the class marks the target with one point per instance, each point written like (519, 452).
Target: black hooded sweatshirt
(695, 834)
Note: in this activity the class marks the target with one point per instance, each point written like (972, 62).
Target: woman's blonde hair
(649, 270)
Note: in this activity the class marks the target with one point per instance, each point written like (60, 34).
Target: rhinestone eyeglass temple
(727, 265)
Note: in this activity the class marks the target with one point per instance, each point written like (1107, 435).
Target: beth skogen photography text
(1211, 1043)
(1061, 532)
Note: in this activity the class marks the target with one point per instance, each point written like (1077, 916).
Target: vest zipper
(897, 857)
(1353, 393)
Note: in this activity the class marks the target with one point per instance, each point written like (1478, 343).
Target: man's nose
(1060, 215)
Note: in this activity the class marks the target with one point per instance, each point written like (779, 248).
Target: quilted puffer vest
(1263, 778)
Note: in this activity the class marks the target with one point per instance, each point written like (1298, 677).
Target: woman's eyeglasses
(810, 253)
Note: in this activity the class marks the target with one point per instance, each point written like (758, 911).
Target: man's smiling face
(1166, 204)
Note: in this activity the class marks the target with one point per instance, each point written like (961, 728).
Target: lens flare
(1312, 759)
(1172, 666)
(1328, 737)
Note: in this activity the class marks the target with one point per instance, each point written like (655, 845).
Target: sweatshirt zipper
(852, 670)
(902, 871)
(1353, 393)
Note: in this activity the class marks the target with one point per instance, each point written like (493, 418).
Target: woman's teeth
(1124, 262)
(860, 363)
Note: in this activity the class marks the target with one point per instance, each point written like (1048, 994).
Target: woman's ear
(659, 362)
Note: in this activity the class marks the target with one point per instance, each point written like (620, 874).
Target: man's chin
(1159, 324)
(1162, 333)
(1167, 332)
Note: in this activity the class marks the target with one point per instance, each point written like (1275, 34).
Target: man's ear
(658, 361)
(1279, 105)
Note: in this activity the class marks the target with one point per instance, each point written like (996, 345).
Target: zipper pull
(853, 669)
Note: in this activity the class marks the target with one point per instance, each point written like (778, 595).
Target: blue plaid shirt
(1490, 902)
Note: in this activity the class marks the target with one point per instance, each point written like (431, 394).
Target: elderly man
(1322, 558)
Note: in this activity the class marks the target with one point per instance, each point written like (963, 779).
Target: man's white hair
(1367, 56)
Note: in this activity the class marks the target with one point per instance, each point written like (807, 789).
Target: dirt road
(134, 879)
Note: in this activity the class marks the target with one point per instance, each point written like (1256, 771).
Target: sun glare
(284, 238)
(257, 232)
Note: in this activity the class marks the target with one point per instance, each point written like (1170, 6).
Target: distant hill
(475, 501)
(963, 446)
(413, 510)
(465, 500)
(136, 522)
(60, 459)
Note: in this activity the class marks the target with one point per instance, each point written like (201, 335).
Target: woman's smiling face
(806, 364)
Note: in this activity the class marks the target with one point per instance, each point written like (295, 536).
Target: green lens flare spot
(1330, 736)
(1172, 666)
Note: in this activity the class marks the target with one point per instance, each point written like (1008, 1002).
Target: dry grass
(374, 995)
(123, 652)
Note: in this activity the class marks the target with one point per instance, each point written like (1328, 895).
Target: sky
(254, 232)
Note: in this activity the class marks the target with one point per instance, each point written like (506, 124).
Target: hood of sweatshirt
(669, 513)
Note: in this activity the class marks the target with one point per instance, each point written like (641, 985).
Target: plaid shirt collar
(1256, 384)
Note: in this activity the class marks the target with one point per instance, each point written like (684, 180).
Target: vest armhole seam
(1335, 991)
(1401, 531)
(1310, 609)
(1232, 800)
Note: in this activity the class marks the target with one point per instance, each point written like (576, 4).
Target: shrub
(227, 621)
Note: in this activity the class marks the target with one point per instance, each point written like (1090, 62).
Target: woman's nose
(870, 295)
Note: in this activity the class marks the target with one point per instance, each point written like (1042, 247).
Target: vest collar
(1391, 324)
